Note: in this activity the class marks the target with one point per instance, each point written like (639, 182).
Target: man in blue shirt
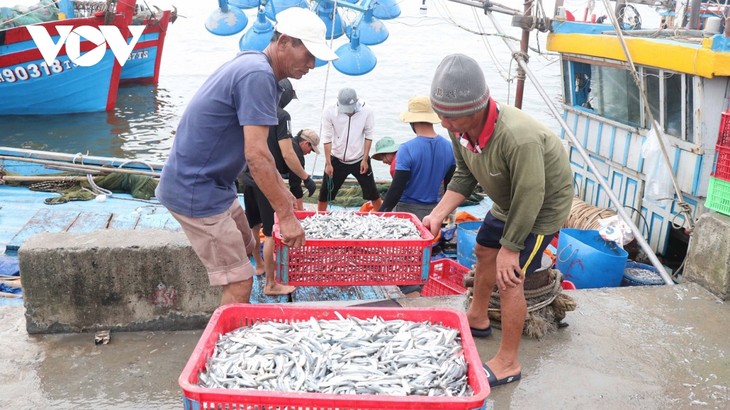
(223, 129)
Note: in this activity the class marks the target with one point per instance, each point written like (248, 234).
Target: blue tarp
(9, 266)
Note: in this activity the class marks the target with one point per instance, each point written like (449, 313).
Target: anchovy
(342, 356)
(349, 225)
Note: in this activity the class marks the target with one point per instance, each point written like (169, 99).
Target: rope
(585, 216)
(326, 80)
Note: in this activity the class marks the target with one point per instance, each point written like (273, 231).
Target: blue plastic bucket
(589, 261)
(466, 241)
(641, 274)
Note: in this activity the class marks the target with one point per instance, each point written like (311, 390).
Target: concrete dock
(657, 347)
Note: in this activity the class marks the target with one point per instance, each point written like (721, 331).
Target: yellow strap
(538, 243)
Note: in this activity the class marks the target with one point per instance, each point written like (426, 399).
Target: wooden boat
(685, 73)
(32, 86)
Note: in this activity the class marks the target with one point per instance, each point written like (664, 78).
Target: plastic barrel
(588, 260)
(631, 278)
(466, 241)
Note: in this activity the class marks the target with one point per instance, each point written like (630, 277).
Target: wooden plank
(126, 221)
(90, 222)
(153, 221)
(45, 220)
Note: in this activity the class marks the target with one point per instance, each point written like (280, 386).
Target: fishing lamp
(386, 9)
(325, 11)
(372, 31)
(355, 58)
(259, 35)
(282, 5)
(244, 4)
(226, 21)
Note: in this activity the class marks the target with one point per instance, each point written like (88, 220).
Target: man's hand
(432, 224)
(292, 233)
(311, 186)
(509, 273)
(364, 166)
(328, 169)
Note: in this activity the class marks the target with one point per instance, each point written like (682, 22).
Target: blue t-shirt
(428, 160)
(198, 178)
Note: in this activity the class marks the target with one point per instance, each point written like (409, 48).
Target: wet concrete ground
(626, 348)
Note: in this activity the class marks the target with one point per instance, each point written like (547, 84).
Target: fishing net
(44, 10)
(138, 186)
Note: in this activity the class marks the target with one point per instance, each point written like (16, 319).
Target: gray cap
(347, 100)
(458, 88)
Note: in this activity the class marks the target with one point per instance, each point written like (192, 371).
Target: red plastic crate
(722, 162)
(723, 137)
(349, 262)
(230, 317)
(446, 279)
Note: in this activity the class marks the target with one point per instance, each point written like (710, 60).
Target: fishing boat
(32, 84)
(655, 149)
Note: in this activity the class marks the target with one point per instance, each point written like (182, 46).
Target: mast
(524, 44)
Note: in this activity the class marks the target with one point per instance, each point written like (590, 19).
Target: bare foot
(277, 289)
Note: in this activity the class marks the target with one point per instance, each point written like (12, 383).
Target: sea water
(143, 123)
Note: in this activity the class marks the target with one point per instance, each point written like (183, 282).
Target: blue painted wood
(45, 220)
(153, 221)
(90, 222)
(344, 293)
(257, 292)
(126, 221)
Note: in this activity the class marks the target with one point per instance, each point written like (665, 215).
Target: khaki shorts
(223, 243)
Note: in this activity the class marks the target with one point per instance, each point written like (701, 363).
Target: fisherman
(524, 169)
(347, 134)
(289, 158)
(424, 163)
(385, 151)
(224, 128)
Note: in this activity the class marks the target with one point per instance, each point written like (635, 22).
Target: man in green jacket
(524, 169)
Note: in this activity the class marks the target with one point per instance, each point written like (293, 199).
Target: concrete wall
(708, 256)
(114, 279)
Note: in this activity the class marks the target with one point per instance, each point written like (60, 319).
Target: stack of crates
(718, 191)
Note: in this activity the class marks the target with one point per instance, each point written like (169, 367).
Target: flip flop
(494, 381)
(487, 331)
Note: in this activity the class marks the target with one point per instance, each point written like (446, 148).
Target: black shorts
(258, 209)
(340, 172)
(530, 258)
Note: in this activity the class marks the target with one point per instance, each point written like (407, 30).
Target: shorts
(222, 243)
(258, 209)
(340, 171)
(491, 232)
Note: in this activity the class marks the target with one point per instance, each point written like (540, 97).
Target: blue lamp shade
(259, 35)
(282, 5)
(244, 4)
(325, 11)
(386, 9)
(226, 21)
(355, 58)
(372, 30)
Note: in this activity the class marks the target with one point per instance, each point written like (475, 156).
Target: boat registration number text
(33, 70)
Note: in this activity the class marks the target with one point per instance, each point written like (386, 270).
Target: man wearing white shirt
(347, 134)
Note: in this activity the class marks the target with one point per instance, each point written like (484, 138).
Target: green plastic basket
(718, 196)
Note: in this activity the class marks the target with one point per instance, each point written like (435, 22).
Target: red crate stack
(718, 191)
(446, 279)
